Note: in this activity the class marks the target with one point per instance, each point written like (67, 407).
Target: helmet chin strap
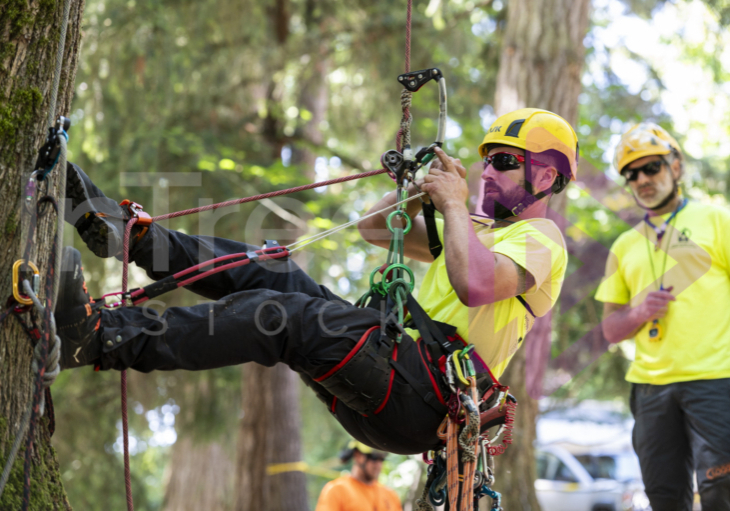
(668, 199)
(502, 212)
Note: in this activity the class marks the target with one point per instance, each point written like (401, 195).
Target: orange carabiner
(21, 298)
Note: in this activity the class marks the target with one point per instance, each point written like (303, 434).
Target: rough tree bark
(540, 66)
(200, 477)
(29, 34)
(270, 435)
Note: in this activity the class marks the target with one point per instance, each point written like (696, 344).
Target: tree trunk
(288, 488)
(29, 34)
(540, 66)
(269, 435)
(200, 477)
(254, 447)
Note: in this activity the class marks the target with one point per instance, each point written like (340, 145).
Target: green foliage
(722, 9)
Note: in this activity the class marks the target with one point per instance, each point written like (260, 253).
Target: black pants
(679, 428)
(268, 312)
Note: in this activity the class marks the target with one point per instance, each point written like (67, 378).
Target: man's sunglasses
(650, 169)
(375, 457)
(508, 161)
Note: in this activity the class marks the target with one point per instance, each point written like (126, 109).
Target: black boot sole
(100, 226)
(76, 316)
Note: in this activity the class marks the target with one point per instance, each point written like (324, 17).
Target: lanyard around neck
(659, 235)
(662, 229)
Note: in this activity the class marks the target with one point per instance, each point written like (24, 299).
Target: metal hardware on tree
(51, 150)
(19, 297)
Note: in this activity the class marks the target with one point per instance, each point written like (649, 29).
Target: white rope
(61, 203)
(303, 243)
(59, 63)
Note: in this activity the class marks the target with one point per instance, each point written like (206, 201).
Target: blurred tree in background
(180, 104)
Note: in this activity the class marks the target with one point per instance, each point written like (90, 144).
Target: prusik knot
(404, 134)
(468, 438)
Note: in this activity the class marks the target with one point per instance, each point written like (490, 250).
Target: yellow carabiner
(21, 298)
(502, 400)
(457, 365)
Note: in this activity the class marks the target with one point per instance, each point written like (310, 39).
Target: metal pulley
(399, 166)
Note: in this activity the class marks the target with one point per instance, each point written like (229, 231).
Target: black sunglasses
(375, 457)
(650, 169)
(507, 161)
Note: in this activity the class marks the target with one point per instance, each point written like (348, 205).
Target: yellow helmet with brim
(644, 139)
(538, 132)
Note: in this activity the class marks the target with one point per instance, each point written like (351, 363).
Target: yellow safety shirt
(695, 342)
(497, 329)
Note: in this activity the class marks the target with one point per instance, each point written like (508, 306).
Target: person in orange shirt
(359, 491)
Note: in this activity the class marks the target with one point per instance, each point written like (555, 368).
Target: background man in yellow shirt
(360, 490)
(667, 285)
(491, 278)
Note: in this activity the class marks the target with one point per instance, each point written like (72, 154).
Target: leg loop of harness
(362, 380)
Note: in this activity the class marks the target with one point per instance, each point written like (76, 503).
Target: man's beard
(669, 198)
(499, 206)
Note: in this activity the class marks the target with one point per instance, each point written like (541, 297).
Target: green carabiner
(377, 286)
(401, 214)
(387, 285)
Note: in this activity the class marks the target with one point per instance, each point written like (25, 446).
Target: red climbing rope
(125, 421)
(408, 35)
(405, 95)
(267, 195)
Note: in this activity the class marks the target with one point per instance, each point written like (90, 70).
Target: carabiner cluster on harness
(477, 403)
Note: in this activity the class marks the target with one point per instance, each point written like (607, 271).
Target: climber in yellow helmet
(498, 269)
(494, 272)
(667, 285)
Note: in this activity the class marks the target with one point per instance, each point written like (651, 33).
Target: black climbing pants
(270, 312)
(681, 428)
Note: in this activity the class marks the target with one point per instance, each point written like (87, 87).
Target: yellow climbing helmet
(354, 445)
(644, 139)
(536, 131)
(365, 449)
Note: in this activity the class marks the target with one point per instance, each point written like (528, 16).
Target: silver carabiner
(450, 374)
